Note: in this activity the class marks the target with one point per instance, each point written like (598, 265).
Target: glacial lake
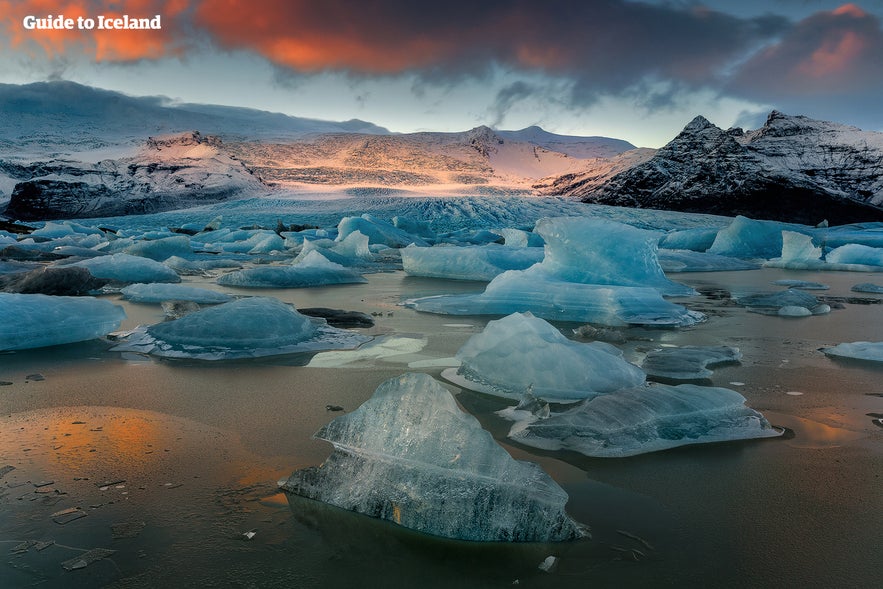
(173, 465)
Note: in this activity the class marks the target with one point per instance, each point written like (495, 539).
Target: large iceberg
(871, 351)
(378, 231)
(521, 353)
(583, 277)
(411, 456)
(313, 270)
(37, 320)
(245, 328)
(645, 419)
(476, 262)
(748, 238)
(128, 268)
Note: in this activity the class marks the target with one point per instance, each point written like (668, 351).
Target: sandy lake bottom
(173, 465)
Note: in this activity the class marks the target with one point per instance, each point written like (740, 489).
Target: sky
(632, 70)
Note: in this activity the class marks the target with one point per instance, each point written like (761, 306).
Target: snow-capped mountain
(168, 172)
(793, 168)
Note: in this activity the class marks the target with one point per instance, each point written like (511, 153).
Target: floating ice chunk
(52, 280)
(697, 240)
(478, 262)
(245, 328)
(872, 351)
(518, 291)
(243, 241)
(411, 456)
(521, 352)
(747, 238)
(690, 261)
(472, 237)
(128, 268)
(161, 249)
(868, 287)
(200, 266)
(688, 362)
(853, 253)
(157, 293)
(790, 300)
(519, 238)
(53, 230)
(377, 231)
(352, 251)
(267, 243)
(646, 419)
(313, 270)
(36, 320)
(414, 227)
(802, 284)
(597, 251)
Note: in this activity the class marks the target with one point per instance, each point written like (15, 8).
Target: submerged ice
(688, 362)
(522, 353)
(645, 419)
(244, 328)
(411, 456)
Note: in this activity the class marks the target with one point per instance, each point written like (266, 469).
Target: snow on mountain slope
(571, 145)
(793, 169)
(166, 173)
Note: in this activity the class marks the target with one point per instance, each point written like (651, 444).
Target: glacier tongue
(645, 419)
(411, 456)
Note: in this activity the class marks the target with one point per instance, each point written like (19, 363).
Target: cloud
(96, 45)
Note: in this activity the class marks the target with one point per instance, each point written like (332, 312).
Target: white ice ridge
(872, 351)
(157, 293)
(245, 328)
(593, 271)
(521, 352)
(478, 262)
(688, 362)
(411, 456)
(36, 320)
(644, 419)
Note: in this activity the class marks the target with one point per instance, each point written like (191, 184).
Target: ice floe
(37, 320)
(521, 353)
(157, 293)
(128, 268)
(872, 351)
(245, 328)
(645, 419)
(688, 362)
(313, 270)
(411, 456)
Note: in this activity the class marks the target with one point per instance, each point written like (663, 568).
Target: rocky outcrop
(792, 169)
(167, 173)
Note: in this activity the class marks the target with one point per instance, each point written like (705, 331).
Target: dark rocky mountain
(792, 169)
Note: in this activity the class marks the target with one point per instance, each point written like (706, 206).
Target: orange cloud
(835, 55)
(100, 45)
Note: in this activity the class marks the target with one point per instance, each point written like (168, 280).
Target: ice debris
(36, 320)
(645, 419)
(313, 270)
(787, 303)
(688, 362)
(872, 351)
(868, 287)
(521, 352)
(245, 328)
(411, 456)
(478, 262)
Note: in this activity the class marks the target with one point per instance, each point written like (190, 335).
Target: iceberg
(856, 254)
(245, 328)
(478, 262)
(872, 351)
(645, 419)
(157, 293)
(799, 252)
(128, 268)
(787, 303)
(697, 240)
(801, 284)
(519, 238)
(690, 261)
(688, 362)
(409, 455)
(313, 270)
(377, 231)
(747, 238)
(520, 353)
(38, 320)
(352, 251)
(161, 249)
(868, 287)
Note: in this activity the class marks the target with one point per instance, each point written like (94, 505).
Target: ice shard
(411, 456)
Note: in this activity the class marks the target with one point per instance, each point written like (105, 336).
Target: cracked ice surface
(645, 419)
(36, 320)
(411, 456)
(245, 328)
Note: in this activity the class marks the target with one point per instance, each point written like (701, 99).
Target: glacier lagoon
(175, 463)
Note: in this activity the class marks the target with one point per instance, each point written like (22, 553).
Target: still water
(173, 465)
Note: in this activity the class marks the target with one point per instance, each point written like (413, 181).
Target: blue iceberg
(37, 320)
(157, 293)
(128, 268)
(313, 270)
(478, 262)
(411, 456)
